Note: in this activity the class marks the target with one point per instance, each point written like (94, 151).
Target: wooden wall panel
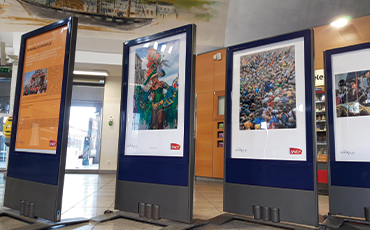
(209, 77)
(220, 72)
(204, 72)
(203, 155)
(204, 112)
(217, 152)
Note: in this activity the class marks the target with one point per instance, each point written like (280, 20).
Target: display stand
(166, 224)
(38, 223)
(270, 154)
(224, 218)
(155, 175)
(347, 72)
(342, 223)
(39, 137)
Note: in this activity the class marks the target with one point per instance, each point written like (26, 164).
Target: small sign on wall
(319, 77)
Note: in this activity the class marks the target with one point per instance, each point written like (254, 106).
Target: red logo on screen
(175, 146)
(295, 151)
(52, 143)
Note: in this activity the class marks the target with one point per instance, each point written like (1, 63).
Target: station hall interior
(89, 187)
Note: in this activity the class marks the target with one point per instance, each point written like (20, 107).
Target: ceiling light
(155, 45)
(163, 48)
(103, 73)
(170, 50)
(339, 22)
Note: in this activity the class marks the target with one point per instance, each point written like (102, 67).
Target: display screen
(351, 105)
(155, 98)
(267, 90)
(268, 102)
(40, 98)
(352, 93)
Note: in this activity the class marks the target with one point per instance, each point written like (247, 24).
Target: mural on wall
(112, 15)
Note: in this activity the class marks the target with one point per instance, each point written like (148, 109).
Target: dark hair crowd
(267, 90)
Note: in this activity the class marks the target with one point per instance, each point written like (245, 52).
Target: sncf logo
(295, 151)
(175, 146)
(52, 143)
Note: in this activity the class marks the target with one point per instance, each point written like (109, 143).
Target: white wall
(110, 134)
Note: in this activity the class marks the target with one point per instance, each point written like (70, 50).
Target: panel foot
(38, 223)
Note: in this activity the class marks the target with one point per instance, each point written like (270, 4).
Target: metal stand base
(224, 218)
(166, 224)
(38, 223)
(335, 222)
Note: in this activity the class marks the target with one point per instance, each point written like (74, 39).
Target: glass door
(83, 152)
(3, 147)
(5, 83)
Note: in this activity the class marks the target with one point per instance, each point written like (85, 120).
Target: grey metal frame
(176, 202)
(47, 198)
(297, 206)
(345, 201)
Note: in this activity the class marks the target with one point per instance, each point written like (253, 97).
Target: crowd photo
(352, 93)
(35, 82)
(268, 90)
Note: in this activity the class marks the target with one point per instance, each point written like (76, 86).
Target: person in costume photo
(35, 82)
(156, 93)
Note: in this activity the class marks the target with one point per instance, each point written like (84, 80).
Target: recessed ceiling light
(339, 22)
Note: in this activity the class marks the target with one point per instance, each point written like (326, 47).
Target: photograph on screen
(35, 82)
(268, 90)
(352, 93)
(156, 86)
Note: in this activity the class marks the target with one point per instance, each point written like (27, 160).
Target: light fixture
(155, 45)
(146, 45)
(163, 48)
(217, 56)
(170, 50)
(103, 73)
(339, 22)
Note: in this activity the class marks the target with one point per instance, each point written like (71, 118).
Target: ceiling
(328, 37)
(247, 20)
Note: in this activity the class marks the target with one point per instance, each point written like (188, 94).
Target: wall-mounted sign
(5, 69)
(319, 77)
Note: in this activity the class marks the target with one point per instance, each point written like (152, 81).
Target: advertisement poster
(267, 90)
(351, 105)
(352, 93)
(268, 102)
(40, 98)
(157, 84)
(156, 92)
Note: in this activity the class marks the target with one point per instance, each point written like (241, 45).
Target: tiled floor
(89, 195)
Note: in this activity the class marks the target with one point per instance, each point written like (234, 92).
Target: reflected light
(146, 45)
(170, 50)
(339, 23)
(163, 48)
(103, 73)
(155, 45)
